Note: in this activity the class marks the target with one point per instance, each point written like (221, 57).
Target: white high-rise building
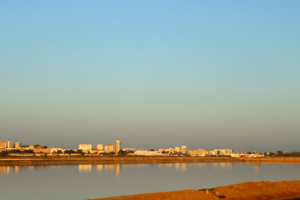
(118, 146)
(10, 144)
(183, 148)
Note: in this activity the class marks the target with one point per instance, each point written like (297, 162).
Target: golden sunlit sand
(244, 191)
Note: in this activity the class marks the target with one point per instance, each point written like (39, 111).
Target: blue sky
(205, 74)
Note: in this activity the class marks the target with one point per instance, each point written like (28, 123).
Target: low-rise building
(41, 151)
(198, 152)
(18, 145)
(223, 151)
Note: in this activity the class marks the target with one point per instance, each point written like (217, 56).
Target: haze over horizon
(205, 74)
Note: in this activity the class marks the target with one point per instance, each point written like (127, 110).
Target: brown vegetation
(243, 191)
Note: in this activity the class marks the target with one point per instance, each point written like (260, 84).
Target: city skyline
(152, 74)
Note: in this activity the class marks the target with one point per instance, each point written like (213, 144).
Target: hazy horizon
(205, 74)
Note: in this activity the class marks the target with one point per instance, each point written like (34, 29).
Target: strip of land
(243, 191)
(139, 159)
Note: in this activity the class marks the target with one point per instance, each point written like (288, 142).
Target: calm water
(95, 181)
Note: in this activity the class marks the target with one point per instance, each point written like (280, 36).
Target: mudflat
(242, 191)
(138, 159)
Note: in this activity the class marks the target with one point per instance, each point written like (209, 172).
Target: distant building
(198, 152)
(18, 145)
(3, 144)
(55, 150)
(10, 144)
(222, 151)
(177, 149)
(118, 146)
(41, 150)
(183, 148)
(110, 148)
(86, 147)
(100, 147)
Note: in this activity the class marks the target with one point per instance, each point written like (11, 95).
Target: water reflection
(257, 166)
(118, 169)
(177, 166)
(9, 169)
(17, 169)
(101, 180)
(110, 167)
(85, 168)
(99, 168)
(183, 166)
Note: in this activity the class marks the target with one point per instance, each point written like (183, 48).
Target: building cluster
(41, 150)
(110, 148)
(88, 150)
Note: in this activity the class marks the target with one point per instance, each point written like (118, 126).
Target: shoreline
(243, 191)
(138, 160)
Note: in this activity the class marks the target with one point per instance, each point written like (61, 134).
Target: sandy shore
(243, 191)
(138, 160)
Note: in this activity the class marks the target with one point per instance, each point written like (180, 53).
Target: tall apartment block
(110, 148)
(10, 144)
(3, 144)
(118, 146)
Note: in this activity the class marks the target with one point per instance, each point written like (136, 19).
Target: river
(76, 182)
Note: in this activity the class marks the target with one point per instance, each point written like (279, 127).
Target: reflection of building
(118, 169)
(9, 169)
(100, 147)
(18, 145)
(17, 169)
(2, 169)
(183, 166)
(118, 146)
(257, 165)
(99, 168)
(109, 167)
(85, 168)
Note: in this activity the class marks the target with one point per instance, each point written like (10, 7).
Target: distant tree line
(284, 154)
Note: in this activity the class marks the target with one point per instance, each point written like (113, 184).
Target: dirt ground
(243, 191)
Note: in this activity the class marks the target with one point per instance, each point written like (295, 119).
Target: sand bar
(243, 191)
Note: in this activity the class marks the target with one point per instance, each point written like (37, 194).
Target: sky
(153, 74)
